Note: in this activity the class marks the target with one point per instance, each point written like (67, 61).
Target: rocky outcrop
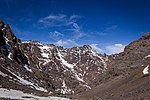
(13, 62)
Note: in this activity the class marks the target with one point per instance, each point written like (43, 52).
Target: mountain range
(80, 72)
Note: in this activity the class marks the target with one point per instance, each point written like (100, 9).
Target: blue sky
(106, 25)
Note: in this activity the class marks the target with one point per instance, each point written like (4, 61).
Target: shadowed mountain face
(34, 66)
(46, 69)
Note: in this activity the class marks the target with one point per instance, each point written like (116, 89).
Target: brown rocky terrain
(40, 68)
(125, 79)
(78, 72)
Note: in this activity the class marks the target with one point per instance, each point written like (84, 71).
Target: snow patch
(4, 75)
(87, 86)
(45, 61)
(25, 82)
(70, 66)
(33, 85)
(44, 50)
(25, 42)
(147, 56)
(7, 46)
(16, 94)
(145, 71)
(65, 89)
(9, 56)
(78, 78)
(6, 40)
(27, 68)
(45, 53)
(3, 29)
(102, 60)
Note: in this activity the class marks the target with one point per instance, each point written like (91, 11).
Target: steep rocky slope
(44, 69)
(70, 70)
(125, 79)
(13, 73)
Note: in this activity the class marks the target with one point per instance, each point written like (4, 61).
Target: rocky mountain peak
(146, 36)
(87, 47)
(46, 67)
(8, 34)
(1, 24)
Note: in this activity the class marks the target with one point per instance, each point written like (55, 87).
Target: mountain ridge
(78, 72)
(50, 68)
(125, 78)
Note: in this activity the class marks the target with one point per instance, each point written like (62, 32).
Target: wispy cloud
(78, 31)
(66, 43)
(68, 30)
(115, 48)
(67, 24)
(96, 48)
(56, 34)
(75, 17)
(58, 20)
(53, 21)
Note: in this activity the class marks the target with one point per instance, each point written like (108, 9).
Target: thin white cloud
(116, 48)
(96, 48)
(77, 30)
(76, 26)
(56, 34)
(119, 45)
(55, 17)
(53, 21)
(67, 23)
(75, 17)
(58, 20)
(66, 43)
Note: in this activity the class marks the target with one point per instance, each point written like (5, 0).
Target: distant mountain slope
(125, 79)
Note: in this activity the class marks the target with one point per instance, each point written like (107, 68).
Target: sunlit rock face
(34, 66)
